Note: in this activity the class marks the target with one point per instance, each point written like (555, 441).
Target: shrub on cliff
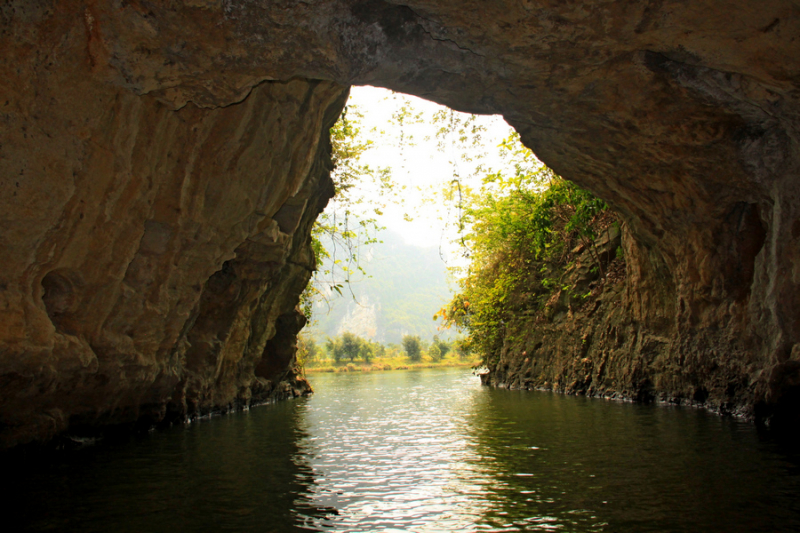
(525, 230)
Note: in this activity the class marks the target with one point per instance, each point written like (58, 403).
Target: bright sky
(421, 164)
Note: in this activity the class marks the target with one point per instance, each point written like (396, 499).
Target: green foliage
(378, 349)
(307, 349)
(413, 347)
(332, 346)
(343, 232)
(462, 347)
(434, 352)
(386, 357)
(349, 346)
(366, 351)
(439, 348)
(523, 227)
(620, 253)
(349, 223)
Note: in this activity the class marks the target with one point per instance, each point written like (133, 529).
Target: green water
(421, 451)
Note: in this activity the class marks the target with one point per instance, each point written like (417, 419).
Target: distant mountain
(405, 286)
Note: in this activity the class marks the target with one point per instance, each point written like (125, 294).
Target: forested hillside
(403, 287)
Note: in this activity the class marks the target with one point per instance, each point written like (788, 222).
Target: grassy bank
(382, 364)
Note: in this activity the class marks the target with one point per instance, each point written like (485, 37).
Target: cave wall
(160, 162)
(148, 253)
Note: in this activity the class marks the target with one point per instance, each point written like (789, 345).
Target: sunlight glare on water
(422, 451)
(391, 454)
(434, 451)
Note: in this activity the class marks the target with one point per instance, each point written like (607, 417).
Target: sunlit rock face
(161, 162)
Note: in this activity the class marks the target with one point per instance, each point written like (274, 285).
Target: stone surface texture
(161, 162)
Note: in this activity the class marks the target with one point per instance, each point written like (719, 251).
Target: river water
(422, 451)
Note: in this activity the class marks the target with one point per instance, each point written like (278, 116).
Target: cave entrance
(393, 236)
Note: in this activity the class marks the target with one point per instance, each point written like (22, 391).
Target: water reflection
(244, 472)
(423, 451)
(577, 464)
(386, 452)
(435, 452)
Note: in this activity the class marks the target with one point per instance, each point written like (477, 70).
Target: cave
(161, 165)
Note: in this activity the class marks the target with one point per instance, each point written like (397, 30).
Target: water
(422, 451)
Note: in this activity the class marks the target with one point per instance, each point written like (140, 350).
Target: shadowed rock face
(161, 163)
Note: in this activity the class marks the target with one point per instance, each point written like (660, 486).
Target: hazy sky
(419, 162)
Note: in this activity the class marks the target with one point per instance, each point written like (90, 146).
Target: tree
(413, 347)
(307, 350)
(334, 348)
(442, 347)
(366, 351)
(434, 352)
(351, 345)
(379, 349)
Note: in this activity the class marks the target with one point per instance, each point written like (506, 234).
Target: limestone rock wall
(595, 346)
(153, 151)
(147, 252)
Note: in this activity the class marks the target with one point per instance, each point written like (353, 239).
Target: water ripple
(422, 452)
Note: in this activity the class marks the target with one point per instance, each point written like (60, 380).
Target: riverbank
(387, 364)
